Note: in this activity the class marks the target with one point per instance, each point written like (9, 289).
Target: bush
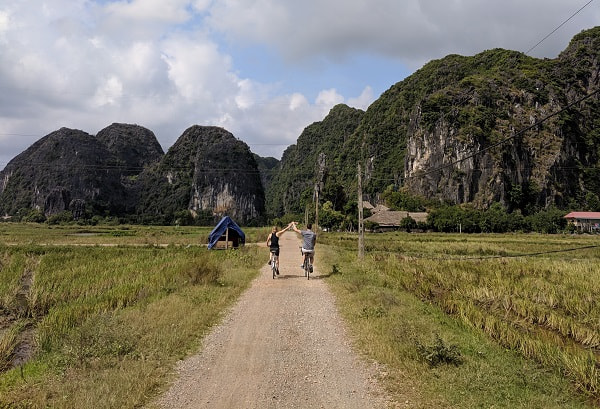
(34, 216)
(203, 271)
(60, 218)
(408, 223)
(548, 221)
(439, 353)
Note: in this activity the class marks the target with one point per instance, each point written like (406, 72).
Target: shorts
(305, 251)
(275, 250)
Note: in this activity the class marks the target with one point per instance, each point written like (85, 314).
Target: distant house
(585, 221)
(379, 208)
(390, 219)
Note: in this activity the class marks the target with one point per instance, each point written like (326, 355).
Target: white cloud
(298, 101)
(202, 77)
(363, 101)
(168, 65)
(4, 21)
(172, 11)
(109, 93)
(329, 97)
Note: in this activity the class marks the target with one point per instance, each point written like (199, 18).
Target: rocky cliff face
(322, 160)
(496, 127)
(65, 165)
(72, 170)
(134, 147)
(123, 172)
(207, 172)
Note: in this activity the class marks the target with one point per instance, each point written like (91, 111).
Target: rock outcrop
(134, 147)
(208, 173)
(497, 127)
(506, 130)
(71, 170)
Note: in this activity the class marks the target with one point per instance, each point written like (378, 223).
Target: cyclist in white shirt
(309, 239)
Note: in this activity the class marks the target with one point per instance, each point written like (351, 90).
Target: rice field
(97, 318)
(537, 295)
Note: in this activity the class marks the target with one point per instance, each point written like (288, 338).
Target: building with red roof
(585, 221)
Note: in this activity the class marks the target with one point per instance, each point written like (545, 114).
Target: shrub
(439, 353)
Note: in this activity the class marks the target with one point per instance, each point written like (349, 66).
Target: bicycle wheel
(274, 266)
(305, 266)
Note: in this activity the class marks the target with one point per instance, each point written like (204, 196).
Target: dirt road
(282, 346)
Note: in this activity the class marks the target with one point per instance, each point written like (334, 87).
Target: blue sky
(262, 69)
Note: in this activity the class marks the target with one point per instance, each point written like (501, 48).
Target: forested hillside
(497, 127)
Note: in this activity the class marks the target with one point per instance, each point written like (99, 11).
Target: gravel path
(283, 345)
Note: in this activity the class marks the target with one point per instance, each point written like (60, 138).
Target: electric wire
(503, 141)
(557, 28)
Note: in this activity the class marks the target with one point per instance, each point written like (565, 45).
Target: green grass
(111, 322)
(519, 325)
(120, 235)
(456, 321)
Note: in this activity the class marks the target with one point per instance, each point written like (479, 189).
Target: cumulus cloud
(414, 31)
(172, 11)
(329, 97)
(167, 65)
(363, 100)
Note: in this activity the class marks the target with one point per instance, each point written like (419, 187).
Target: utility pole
(306, 214)
(361, 227)
(320, 175)
(316, 211)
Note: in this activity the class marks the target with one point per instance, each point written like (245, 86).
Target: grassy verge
(111, 322)
(120, 235)
(453, 330)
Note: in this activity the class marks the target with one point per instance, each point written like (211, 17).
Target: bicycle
(274, 260)
(306, 265)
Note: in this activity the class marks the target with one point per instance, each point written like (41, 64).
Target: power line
(505, 140)
(557, 28)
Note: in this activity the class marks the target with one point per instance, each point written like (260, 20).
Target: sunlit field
(533, 295)
(101, 315)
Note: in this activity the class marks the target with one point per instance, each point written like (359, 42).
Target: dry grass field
(97, 317)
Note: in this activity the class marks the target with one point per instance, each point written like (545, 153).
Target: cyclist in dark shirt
(273, 244)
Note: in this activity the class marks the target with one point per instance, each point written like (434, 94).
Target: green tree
(34, 216)
(550, 221)
(408, 223)
(403, 200)
(592, 202)
(496, 219)
(330, 218)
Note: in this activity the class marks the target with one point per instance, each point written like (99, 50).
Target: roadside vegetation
(102, 326)
(98, 316)
(468, 321)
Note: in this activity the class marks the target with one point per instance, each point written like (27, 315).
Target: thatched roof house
(380, 208)
(390, 219)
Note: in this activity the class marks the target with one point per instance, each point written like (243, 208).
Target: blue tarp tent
(226, 230)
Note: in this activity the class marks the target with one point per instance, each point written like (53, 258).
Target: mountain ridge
(497, 127)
